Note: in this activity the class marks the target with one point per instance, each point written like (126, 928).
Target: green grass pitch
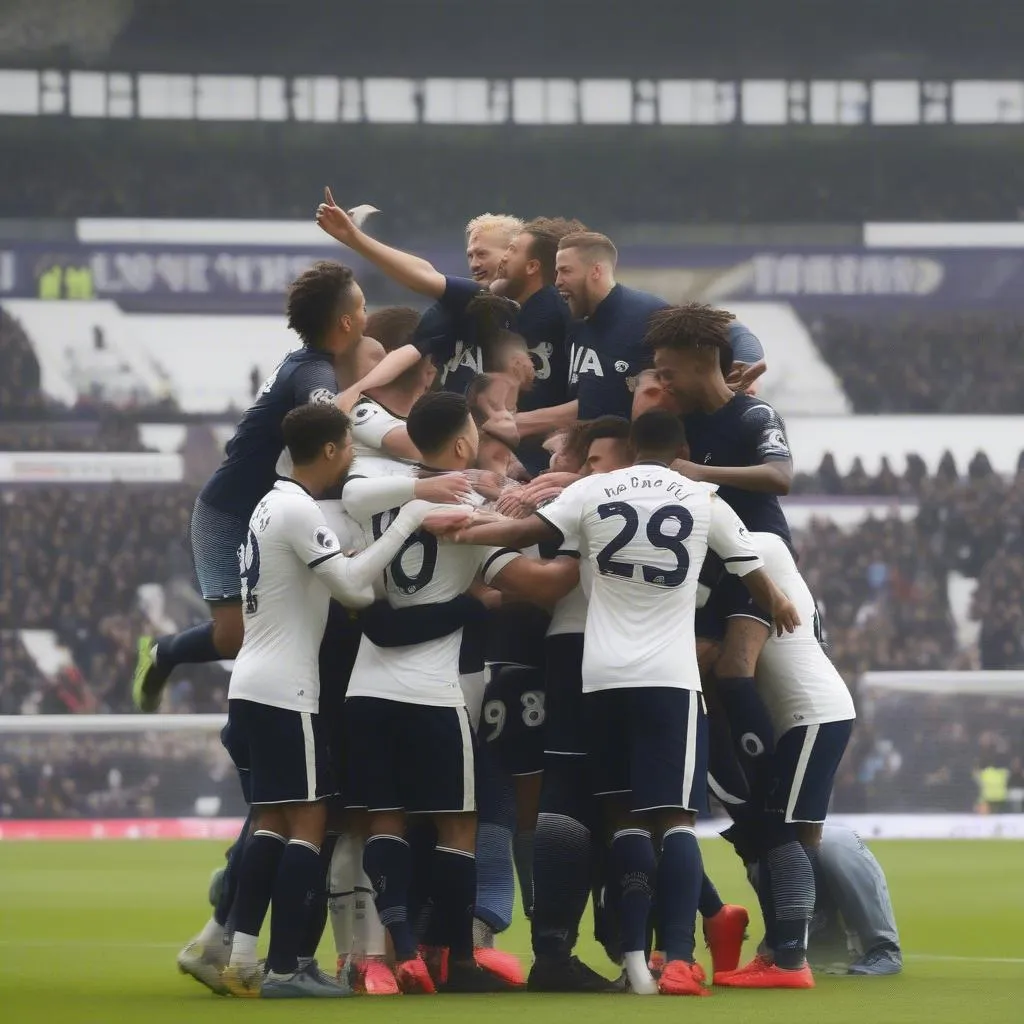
(89, 932)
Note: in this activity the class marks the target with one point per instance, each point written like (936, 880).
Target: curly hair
(315, 298)
(693, 326)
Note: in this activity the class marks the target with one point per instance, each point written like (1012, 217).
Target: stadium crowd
(936, 362)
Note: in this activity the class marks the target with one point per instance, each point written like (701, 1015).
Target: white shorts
(795, 677)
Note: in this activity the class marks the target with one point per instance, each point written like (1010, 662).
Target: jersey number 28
(672, 542)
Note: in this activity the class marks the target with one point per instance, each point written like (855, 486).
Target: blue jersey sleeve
(458, 292)
(746, 347)
(314, 381)
(765, 434)
(435, 334)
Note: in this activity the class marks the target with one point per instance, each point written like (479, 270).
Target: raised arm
(408, 270)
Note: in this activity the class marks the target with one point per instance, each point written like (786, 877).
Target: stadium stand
(934, 362)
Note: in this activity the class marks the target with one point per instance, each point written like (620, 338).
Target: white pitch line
(966, 959)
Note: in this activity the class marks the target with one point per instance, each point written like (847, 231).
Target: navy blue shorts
(563, 685)
(281, 755)
(729, 599)
(338, 651)
(513, 719)
(412, 757)
(649, 743)
(216, 538)
(803, 769)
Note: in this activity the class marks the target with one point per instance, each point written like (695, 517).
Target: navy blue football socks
(300, 877)
(634, 867)
(678, 888)
(387, 861)
(189, 647)
(257, 870)
(454, 897)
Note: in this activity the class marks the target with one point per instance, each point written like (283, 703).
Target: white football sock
(212, 935)
(641, 981)
(243, 950)
(370, 934)
(346, 867)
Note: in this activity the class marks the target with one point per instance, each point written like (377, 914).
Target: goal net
(936, 742)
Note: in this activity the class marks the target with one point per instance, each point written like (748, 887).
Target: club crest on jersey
(364, 412)
(621, 366)
(322, 396)
(324, 538)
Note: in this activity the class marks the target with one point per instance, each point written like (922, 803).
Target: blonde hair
(495, 223)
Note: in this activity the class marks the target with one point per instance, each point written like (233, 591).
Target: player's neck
(307, 477)
(397, 400)
(532, 287)
(600, 293)
(653, 459)
(710, 395)
(444, 463)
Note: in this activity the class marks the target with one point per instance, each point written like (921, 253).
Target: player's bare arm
(773, 477)
(764, 591)
(414, 273)
(543, 583)
(392, 366)
(541, 422)
(511, 533)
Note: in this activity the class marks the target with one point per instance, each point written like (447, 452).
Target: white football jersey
(371, 423)
(570, 614)
(645, 531)
(795, 677)
(425, 571)
(284, 604)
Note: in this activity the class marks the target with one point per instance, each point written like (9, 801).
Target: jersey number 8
(672, 542)
(495, 713)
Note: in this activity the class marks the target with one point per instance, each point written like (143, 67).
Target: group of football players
(509, 590)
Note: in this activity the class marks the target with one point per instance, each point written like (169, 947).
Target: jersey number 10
(672, 542)
(406, 583)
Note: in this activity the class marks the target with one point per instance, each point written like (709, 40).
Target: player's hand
(447, 522)
(545, 483)
(446, 489)
(785, 615)
(486, 482)
(742, 375)
(334, 220)
(691, 470)
(511, 504)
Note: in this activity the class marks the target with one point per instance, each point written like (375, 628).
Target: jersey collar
(653, 462)
(294, 483)
(607, 306)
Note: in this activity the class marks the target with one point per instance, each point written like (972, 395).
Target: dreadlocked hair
(694, 325)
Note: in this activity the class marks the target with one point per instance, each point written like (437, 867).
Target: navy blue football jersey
(249, 468)
(447, 336)
(744, 432)
(608, 352)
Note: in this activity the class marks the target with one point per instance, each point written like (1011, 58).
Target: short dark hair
(435, 419)
(315, 298)
(610, 428)
(657, 431)
(307, 428)
(694, 325)
(545, 234)
(594, 247)
(393, 326)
